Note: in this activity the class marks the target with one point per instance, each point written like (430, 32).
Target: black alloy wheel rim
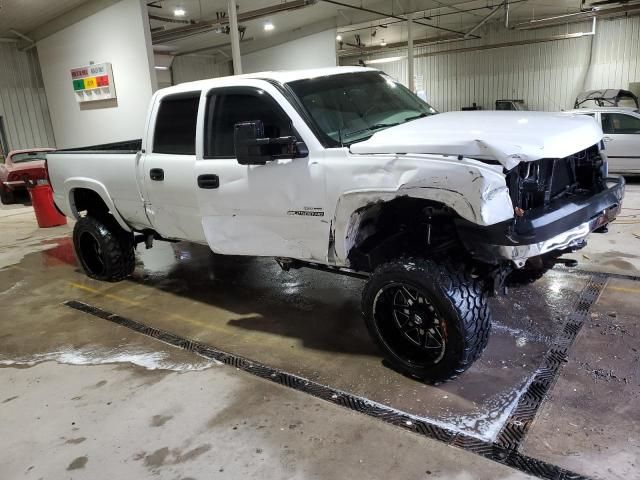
(91, 253)
(410, 325)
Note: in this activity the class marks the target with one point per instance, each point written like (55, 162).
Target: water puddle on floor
(303, 322)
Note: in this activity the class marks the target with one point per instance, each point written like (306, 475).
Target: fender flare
(346, 220)
(74, 183)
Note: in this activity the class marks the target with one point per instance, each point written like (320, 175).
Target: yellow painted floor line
(624, 289)
(106, 295)
(118, 298)
(16, 267)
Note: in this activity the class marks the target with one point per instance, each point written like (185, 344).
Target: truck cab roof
(281, 76)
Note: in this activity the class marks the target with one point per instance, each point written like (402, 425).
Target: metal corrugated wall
(547, 75)
(616, 59)
(23, 103)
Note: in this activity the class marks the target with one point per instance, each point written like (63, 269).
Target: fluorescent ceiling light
(339, 38)
(268, 26)
(385, 60)
(179, 12)
(160, 67)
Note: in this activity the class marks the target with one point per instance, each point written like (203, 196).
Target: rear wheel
(6, 196)
(105, 250)
(431, 320)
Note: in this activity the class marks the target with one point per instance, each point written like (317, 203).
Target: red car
(19, 167)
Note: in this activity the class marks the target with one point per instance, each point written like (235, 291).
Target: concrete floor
(81, 397)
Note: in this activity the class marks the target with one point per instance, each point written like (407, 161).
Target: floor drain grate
(518, 423)
(504, 450)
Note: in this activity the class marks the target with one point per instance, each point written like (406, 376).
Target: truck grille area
(538, 186)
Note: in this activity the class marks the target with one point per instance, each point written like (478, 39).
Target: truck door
(622, 141)
(276, 209)
(170, 197)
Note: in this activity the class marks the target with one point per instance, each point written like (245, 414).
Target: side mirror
(253, 148)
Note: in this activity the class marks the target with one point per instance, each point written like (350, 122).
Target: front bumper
(14, 185)
(562, 228)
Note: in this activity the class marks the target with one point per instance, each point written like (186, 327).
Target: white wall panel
(117, 34)
(313, 51)
(188, 68)
(23, 103)
(547, 75)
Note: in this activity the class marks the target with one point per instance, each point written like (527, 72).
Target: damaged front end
(557, 204)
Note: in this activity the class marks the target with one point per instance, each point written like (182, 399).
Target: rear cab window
(175, 128)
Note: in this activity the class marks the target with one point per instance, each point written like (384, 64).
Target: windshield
(28, 157)
(349, 108)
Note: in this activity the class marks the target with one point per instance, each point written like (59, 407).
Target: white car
(346, 171)
(621, 127)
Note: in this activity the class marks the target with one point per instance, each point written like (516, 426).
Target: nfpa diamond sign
(93, 82)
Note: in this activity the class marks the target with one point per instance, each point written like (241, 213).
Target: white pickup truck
(345, 170)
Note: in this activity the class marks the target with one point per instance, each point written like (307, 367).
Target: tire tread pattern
(116, 243)
(466, 297)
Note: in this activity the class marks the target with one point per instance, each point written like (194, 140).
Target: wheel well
(404, 226)
(85, 200)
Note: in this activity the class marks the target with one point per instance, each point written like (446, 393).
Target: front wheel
(105, 250)
(431, 320)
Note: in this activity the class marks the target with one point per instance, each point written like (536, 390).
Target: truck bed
(111, 170)
(127, 146)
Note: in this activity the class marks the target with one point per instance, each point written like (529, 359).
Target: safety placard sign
(93, 82)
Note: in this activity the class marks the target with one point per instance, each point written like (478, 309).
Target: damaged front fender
(473, 191)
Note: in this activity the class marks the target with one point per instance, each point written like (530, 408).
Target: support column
(410, 74)
(235, 38)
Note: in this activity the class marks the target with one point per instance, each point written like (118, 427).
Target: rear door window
(175, 130)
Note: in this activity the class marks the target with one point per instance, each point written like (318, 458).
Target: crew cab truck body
(345, 170)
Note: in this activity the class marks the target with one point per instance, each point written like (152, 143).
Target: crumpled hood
(508, 137)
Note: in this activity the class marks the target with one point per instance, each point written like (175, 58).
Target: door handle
(607, 139)
(208, 181)
(156, 174)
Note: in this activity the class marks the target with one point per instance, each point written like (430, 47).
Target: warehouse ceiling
(200, 26)
(361, 23)
(24, 16)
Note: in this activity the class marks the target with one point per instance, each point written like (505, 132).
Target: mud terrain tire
(404, 295)
(105, 250)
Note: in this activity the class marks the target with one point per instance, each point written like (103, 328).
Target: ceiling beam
(67, 19)
(208, 25)
(250, 45)
(358, 52)
(485, 20)
(625, 11)
(391, 15)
